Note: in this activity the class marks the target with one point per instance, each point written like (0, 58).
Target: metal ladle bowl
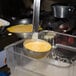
(35, 54)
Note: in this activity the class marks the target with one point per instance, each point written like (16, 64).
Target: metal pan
(18, 22)
(21, 21)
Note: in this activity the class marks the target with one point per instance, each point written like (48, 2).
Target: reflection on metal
(36, 12)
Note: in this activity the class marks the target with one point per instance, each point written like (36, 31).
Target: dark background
(20, 7)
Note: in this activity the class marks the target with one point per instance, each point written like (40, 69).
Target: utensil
(37, 45)
(36, 12)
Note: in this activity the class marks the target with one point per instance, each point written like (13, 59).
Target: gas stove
(64, 25)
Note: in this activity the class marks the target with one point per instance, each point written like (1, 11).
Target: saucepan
(62, 10)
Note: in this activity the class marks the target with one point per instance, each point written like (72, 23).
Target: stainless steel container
(62, 10)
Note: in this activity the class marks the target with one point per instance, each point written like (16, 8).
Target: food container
(62, 10)
(21, 30)
(21, 64)
(26, 22)
(63, 45)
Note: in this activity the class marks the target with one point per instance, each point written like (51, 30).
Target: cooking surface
(56, 24)
(6, 39)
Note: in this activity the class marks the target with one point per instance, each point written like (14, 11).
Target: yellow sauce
(21, 28)
(38, 46)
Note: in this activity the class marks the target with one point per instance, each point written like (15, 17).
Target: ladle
(36, 12)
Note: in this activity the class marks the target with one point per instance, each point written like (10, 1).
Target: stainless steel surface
(36, 12)
(35, 54)
(62, 11)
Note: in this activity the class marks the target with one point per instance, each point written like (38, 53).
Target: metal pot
(62, 10)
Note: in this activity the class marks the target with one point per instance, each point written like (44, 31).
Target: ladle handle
(36, 12)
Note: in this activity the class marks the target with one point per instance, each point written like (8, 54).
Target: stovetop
(52, 23)
(7, 39)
